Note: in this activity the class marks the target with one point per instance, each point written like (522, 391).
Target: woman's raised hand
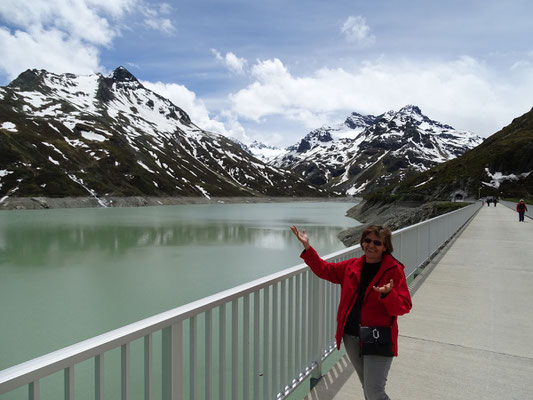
(302, 236)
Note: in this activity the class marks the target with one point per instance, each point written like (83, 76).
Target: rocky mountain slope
(67, 135)
(366, 152)
(501, 166)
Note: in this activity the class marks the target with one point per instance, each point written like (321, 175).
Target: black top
(354, 317)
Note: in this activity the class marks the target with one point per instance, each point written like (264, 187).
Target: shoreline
(42, 203)
(395, 215)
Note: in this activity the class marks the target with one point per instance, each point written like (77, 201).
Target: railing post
(235, 350)
(192, 358)
(222, 352)
(33, 390)
(172, 362)
(69, 383)
(266, 340)
(147, 368)
(318, 327)
(99, 377)
(208, 353)
(125, 370)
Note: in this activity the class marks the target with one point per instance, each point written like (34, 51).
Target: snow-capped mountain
(500, 166)
(69, 135)
(367, 152)
(263, 151)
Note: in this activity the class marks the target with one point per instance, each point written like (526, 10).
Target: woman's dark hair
(380, 231)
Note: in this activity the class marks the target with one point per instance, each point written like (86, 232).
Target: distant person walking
(495, 201)
(521, 208)
(374, 293)
(488, 201)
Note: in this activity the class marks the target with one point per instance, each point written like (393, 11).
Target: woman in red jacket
(373, 293)
(521, 208)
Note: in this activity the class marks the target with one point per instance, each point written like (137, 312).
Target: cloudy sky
(272, 70)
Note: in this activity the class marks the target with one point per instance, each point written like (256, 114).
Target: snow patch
(36, 99)
(75, 142)
(55, 149)
(93, 136)
(9, 126)
(497, 178)
(145, 166)
(423, 183)
(204, 192)
(80, 182)
(53, 127)
(356, 190)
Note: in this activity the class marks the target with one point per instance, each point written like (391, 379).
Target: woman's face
(373, 247)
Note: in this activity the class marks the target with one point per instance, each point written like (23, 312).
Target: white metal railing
(259, 340)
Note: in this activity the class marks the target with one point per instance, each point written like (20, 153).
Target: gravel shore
(38, 203)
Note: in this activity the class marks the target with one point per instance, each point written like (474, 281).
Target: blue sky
(274, 70)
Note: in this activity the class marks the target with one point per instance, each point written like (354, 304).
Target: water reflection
(30, 241)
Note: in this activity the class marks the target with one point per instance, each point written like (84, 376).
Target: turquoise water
(71, 274)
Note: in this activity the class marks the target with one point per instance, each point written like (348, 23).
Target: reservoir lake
(67, 275)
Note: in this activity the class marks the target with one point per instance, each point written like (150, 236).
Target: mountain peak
(356, 120)
(121, 74)
(411, 109)
(29, 80)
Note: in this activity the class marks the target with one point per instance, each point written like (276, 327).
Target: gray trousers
(372, 370)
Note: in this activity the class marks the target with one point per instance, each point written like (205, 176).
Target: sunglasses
(376, 242)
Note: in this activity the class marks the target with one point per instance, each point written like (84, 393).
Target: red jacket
(375, 311)
(521, 206)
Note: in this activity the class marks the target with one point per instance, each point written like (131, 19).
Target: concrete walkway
(470, 332)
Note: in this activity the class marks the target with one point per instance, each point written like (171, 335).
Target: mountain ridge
(500, 166)
(367, 152)
(74, 135)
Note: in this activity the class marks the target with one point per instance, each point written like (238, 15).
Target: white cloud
(231, 61)
(197, 110)
(160, 24)
(47, 49)
(85, 20)
(65, 35)
(356, 30)
(165, 8)
(154, 19)
(464, 93)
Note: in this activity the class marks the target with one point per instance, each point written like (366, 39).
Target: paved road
(470, 332)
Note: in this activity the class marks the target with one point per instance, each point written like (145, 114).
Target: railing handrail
(406, 228)
(59, 359)
(37, 368)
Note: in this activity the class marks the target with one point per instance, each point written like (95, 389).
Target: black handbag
(376, 340)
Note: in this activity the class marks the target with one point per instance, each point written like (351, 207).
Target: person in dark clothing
(374, 293)
(521, 208)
